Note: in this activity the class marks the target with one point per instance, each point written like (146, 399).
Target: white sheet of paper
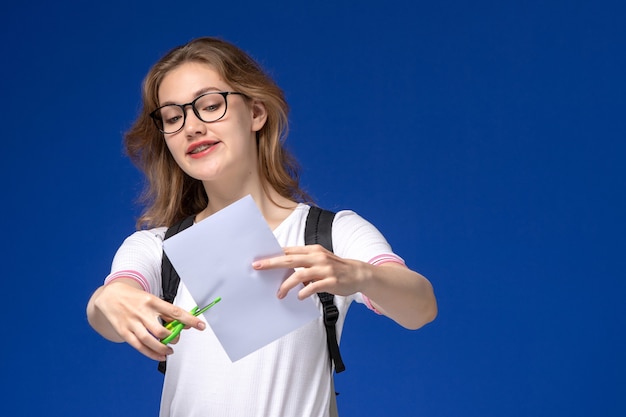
(214, 259)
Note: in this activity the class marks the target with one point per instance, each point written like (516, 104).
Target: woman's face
(223, 150)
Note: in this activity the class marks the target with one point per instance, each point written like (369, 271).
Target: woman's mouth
(201, 147)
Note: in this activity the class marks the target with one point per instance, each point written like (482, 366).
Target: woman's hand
(393, 289)
(318, 269)
(122, 312)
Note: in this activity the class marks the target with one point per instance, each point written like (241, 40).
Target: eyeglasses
(209, 107)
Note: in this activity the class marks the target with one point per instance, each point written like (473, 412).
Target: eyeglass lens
(209, 108)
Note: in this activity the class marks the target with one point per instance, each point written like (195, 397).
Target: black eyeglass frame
(156, 118)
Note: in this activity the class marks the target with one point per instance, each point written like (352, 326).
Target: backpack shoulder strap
(318, 230)
(169, 276)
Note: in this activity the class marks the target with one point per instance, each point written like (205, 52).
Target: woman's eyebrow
(196, 94)
(207, 90)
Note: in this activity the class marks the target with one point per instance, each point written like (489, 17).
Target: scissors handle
(176, 326)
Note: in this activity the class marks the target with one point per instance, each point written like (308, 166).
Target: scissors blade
(203, 309)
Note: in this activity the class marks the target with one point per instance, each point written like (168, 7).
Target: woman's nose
(193, 124)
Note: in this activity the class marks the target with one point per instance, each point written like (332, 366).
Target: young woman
(211, 132)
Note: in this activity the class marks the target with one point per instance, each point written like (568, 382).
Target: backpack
(318, 230)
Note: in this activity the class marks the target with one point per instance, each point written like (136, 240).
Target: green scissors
(176, 326)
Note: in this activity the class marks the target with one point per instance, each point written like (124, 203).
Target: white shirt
(289, 377)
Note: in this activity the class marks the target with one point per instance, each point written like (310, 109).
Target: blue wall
(485, 139)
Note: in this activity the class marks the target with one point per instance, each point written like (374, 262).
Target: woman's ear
(259, 115)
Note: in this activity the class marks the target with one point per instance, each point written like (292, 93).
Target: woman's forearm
(400, 294)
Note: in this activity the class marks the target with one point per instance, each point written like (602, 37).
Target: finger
(299, 250)
(307, 277)
(155, 342)
(148, 345)
(151, 353)
(160, 331)
(287, 285)
(312, 288)
(291, 261)
(295, 256)
(275, 263)
(174, 312)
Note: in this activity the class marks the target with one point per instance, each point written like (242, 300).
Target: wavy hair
(170, 194)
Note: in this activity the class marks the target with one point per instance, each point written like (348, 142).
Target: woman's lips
(200, 148)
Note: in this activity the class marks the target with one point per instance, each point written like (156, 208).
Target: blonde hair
(171, 195)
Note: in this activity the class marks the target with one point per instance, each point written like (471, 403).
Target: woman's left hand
(393, 290)
(318, 269)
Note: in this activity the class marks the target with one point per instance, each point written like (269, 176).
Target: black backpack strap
(169, 276)
(318, 229)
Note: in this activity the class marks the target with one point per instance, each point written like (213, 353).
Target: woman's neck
(274, 207)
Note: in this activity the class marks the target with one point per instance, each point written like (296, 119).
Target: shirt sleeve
(139, 258)
(356, 238)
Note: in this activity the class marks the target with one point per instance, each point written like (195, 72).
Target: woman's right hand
(122, 311)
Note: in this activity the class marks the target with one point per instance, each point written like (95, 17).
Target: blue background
(485, 139)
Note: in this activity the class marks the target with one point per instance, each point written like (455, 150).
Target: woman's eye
(212, 107)
(171, 120)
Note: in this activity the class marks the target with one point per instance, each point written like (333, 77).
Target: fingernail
(256, 264)
(201, 326)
